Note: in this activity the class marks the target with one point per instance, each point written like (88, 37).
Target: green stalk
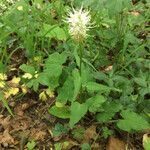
(81, 55)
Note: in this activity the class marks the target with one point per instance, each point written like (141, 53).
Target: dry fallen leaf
(20, 108)
(21, 123)
(115, 144)
(36, 134)
(5, 122)
(6, 138)
(96, 146)
(90, 133)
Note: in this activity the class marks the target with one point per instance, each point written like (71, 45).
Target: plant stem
(81, 55)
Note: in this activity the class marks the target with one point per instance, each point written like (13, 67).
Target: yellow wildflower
(2, 84)
(15, 80)
(24, 89)
(42, 96)
(50, 93)
(3, 76)
(13, 91)
(27, 76)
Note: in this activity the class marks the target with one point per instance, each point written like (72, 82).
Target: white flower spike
(79, 24)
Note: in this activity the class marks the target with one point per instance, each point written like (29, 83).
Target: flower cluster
(79, 24)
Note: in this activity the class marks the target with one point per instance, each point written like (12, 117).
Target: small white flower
(79, 24)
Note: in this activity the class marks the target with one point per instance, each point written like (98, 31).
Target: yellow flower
(3, 76)
(50, 93)
(2, 84)
(27, 76)
(24, 89)
(13, 91)
(36, 74)
(15, 80)
(42, 96)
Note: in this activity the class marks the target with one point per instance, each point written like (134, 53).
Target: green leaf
(78, 133)
(53, 65)
(45, 79)
(66, 92)
(59, 130)
(31, 145)
(27, 69)
(96, 87)
(146, 142)
(109, 110)
(141, 82)
(85, 146)
(53, 31)
(94, 103)
(60, 112)
(77, 83)
(5, 103)
(77, 58)
(132, 122)
(77, 112)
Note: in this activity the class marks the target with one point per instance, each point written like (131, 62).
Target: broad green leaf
(66, 92)
(94, 103)
(77, 83)
(53, 65)
(132, 122)
(96, 87)
(109, 110)
(77, 112)
(27, 68)
(60, 112)
(53, 31)
(86, 75)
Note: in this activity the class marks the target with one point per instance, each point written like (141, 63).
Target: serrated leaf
(95, 103)
(66, 92)
(27, 68)
(110, 109)
(53, 31)
(77, 112)
(96, 87)
(53, 65)
(60, 112)
(132, 122)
